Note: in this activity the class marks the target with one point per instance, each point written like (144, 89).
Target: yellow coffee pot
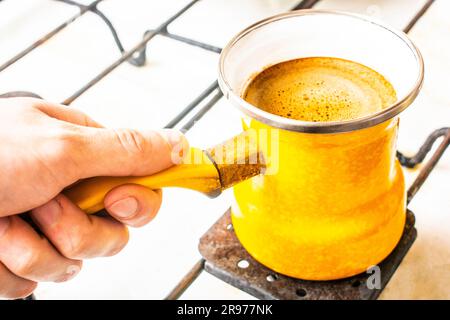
(332, 203)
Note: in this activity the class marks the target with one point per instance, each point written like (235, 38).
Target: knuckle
(60, 141)
(74, 246)
(133, 142)
(67, 137)
(25, 264)
(60, 147)
(84, 119)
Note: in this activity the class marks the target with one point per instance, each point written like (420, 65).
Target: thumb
(126, 152)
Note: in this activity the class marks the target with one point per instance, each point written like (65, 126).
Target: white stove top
(160, 254)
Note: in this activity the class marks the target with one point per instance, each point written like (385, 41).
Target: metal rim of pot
(320, 127)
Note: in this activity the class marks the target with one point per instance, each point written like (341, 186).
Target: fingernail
(71, 272)
(48, 214)
(4, 223)
(125, 208)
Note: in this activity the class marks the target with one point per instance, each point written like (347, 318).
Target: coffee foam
(320, 89)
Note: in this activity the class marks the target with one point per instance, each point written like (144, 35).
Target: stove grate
(226, 259)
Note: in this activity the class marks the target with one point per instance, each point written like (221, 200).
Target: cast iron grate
(229, 261)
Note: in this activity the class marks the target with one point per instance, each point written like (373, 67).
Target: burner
(229, 261)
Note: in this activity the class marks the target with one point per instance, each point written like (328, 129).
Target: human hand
(47, 147)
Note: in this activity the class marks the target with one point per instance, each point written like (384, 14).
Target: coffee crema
(320, 89)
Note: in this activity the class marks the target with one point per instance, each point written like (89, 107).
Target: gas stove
(222, 254)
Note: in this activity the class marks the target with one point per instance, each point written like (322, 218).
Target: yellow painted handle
(89, 194)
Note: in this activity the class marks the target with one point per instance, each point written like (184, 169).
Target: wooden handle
(89, 194)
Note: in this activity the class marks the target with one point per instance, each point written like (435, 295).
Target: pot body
(334, 202)
(333, 206)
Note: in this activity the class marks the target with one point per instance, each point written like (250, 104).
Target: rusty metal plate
(229, 261)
